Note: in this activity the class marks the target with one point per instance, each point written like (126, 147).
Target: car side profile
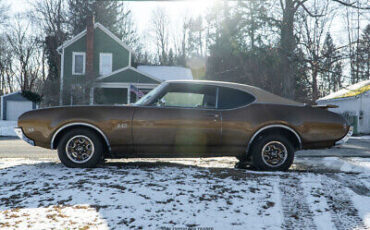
(186, 119)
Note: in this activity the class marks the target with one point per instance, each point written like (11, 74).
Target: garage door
(15, 108)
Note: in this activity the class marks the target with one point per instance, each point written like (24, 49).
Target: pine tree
(224, 50)
(104, 12)
(114, 15)
(253, 17)
(195, 36)
(337, 79)
(330, 68)
(364, 54)
(171, 58)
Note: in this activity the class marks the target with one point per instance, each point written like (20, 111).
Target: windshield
(145, 100)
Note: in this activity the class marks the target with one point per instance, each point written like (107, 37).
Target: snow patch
(365, 137)
(354, 164)
(7, 128)
(362, 204)
(43, 194)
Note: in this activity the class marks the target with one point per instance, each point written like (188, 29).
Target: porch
(114, 93)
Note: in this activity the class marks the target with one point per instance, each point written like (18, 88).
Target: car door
(183, 121)
(237, 123)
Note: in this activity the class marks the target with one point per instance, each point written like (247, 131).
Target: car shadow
(230, 168)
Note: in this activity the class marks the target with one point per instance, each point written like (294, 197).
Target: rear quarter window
(233, 98)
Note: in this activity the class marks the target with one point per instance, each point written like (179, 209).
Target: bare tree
(3, 48)
(180, 41)
(50, 16)
(126, 27)
(7, 73)
(161, 23)
(25, 53)
(287, 37)
(352, 17)
(4, 8)
(312, 34)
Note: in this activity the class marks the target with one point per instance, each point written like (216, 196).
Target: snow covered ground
(364, 137)
(7, 128)
(318, 193)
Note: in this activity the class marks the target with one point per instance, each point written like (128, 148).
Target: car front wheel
(80, 148)
(272, 153)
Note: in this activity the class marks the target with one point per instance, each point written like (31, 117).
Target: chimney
(90, 48)
(90, 75)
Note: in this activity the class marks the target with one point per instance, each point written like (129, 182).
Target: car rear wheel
(80, 148)
(272, 153)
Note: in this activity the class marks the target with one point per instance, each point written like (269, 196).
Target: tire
(80, 148)
(272, 145)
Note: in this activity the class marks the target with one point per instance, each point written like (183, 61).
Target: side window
(78, 63)
(183, 99)
(232, 98)
(189, 96)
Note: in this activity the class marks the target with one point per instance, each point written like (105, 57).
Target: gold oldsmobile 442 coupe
(186, 119)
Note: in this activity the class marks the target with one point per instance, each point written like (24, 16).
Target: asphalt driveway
(12, 147)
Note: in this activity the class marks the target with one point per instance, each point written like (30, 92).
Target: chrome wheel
(274, 153)
(80, 149)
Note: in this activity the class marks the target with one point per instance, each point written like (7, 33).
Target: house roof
(9, 94)
(349, 91)
(166, 73)
(96, 25)
(129, 68)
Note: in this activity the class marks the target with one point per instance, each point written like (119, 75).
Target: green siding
(77, 46)
(103, 43)
(129, 76)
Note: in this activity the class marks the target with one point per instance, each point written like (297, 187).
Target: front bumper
(345, 138)
(21, 135)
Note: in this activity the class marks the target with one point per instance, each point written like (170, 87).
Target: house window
(105, 63)
(78, 63)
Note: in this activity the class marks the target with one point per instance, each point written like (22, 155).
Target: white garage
(16, 108)
(354, 103)
(13, 105)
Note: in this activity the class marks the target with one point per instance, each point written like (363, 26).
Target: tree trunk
(287, 47)
(315, 94)
(90, 74)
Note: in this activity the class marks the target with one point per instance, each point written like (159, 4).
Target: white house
(354, 104)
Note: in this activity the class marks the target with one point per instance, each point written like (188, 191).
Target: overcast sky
(142, 10)
(176, 10)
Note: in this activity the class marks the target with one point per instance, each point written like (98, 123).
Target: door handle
(215, 115)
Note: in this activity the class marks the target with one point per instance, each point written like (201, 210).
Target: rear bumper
(21, 135)
(345, 138)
